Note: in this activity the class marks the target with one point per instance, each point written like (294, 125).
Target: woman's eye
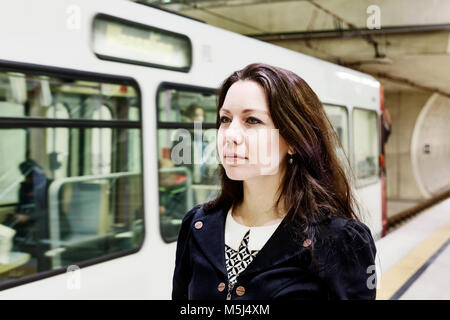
(252, 120)
(224, 120)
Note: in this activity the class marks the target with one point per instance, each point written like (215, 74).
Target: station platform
(413, 261)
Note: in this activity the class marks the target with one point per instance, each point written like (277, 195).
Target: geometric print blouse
(242, 244)
(238, 260)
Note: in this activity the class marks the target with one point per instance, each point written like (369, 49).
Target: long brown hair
(315, 185)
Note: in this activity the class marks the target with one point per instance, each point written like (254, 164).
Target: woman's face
(249, 145)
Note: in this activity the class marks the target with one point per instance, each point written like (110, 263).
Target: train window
(186, 151)
(120, 40)
(82, 99)
(70, 179)
(338, 117)
(186, 106)
(365, 140)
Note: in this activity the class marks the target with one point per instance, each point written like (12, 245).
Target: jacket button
(221, 286)
(307, 243)
(198, 225)
(240, 291)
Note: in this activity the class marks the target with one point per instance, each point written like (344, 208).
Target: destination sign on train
(134, 43)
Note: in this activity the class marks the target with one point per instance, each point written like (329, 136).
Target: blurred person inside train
(288, 228)
(194, 113)
(32, 204)
(199, 159)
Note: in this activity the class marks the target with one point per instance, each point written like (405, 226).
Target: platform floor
(413, 261)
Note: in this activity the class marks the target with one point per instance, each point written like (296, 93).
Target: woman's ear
(290, 151)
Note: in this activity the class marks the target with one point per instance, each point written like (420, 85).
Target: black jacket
(340, 267)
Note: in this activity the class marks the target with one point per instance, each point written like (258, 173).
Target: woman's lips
(234, 157)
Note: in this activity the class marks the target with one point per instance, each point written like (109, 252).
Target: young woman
(284, 225)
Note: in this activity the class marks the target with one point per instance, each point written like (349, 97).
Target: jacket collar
(280, 247)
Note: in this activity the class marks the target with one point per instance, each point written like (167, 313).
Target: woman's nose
(234, 134)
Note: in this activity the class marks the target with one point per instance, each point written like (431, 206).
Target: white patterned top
(242, 243)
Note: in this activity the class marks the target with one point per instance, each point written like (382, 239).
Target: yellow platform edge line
(396, 276)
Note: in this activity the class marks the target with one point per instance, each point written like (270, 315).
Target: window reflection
(188, 163)
(365, 135)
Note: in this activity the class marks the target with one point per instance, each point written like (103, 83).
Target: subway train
(93, 97)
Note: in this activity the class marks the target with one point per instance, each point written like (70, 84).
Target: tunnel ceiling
(411, 51)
